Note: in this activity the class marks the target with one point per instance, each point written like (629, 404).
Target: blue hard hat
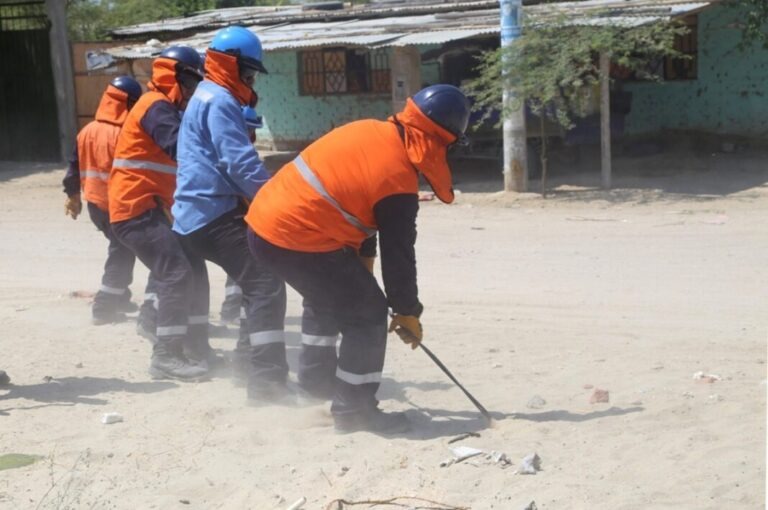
(446, 105)
(127, 85)
(241, 42)
(252, 119)
(188, 57)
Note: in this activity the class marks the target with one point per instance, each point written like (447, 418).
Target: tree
(552, 65)
(91, 20)
(754, 25)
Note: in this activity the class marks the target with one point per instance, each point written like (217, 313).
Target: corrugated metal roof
(435, 28)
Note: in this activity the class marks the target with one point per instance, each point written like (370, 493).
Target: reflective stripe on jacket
(142, 173)
(354, 167)
(96, 146)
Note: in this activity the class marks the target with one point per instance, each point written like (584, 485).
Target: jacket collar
(113, 107)
(426, 144)
(221, 68)
(164, 80)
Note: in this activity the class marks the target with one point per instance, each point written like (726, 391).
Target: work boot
(99, 318)
(241, 364)
(5, 380)
(264, 393)
(200, 353)
(371, 419)
(169, 363)
(146, 324)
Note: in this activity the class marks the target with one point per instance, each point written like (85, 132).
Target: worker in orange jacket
(88, 174)
(141, 187)
(311, 222)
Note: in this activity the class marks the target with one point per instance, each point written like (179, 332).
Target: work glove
(368, 263)
(73, 206)
(408, 328)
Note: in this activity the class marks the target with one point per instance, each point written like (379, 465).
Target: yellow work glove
(73, 206)
(368, 263)
(408, 328)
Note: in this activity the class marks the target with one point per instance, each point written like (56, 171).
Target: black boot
(371, 419)
(169, 363)
(125, 305)
(105, 309)
(262, 392)
(146, 323)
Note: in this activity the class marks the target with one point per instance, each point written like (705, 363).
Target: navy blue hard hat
(446, 105)
(243, 43)
(188, 57)
(127, 85)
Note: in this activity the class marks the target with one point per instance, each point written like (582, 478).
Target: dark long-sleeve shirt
(161, 121)
(72, 178)
(396, 219)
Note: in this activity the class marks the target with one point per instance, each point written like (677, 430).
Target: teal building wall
(292, 120)
(730, 95)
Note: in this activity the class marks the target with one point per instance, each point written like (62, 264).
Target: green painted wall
(730, 95)
(291, 120)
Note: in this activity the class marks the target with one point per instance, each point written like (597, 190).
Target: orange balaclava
(427, 145)
(113, 107)
(222, 69)
(164, 80)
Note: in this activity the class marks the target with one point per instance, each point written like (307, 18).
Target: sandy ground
(631, 291)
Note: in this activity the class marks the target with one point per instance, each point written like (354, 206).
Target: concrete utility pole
(515, 153)
(605, 117)
(63, 77)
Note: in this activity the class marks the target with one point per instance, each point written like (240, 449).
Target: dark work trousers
(233, 300)
(224, 242)
(151, 239)
(338, 288)
(118, 268)
(317, 358)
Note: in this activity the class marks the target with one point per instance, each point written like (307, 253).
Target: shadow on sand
(69, 391)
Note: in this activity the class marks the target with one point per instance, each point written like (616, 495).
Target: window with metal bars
(332, 71)
(686, 68)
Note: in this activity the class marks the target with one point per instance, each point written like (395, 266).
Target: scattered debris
(17, 460)
(716, 398)
(499, 458)
(426, 196)
(110, 418)
(21, 309)
(706, 378)
(341, 504)
(530, 464)
(599, 397)
(297, 504)
(343, 471)
(497, 365)
(636, 403)
(588, 386)
(536, 402)
(465, 435)
(461, 453)
(79, 365)
(47, 378)
(531, 506)
(184, 501)
(82, 294)
(687, 394)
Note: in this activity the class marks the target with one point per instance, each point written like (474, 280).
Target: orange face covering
(426, 144)
(113, 107)
(221, 68)
(164, 80)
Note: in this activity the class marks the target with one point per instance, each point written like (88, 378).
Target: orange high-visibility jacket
(96, 146)
(324, 199)
(143, 176)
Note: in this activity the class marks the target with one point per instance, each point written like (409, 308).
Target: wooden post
(605, 117)
(63, 76)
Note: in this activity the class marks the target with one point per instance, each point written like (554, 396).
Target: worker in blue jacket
(219, 173)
